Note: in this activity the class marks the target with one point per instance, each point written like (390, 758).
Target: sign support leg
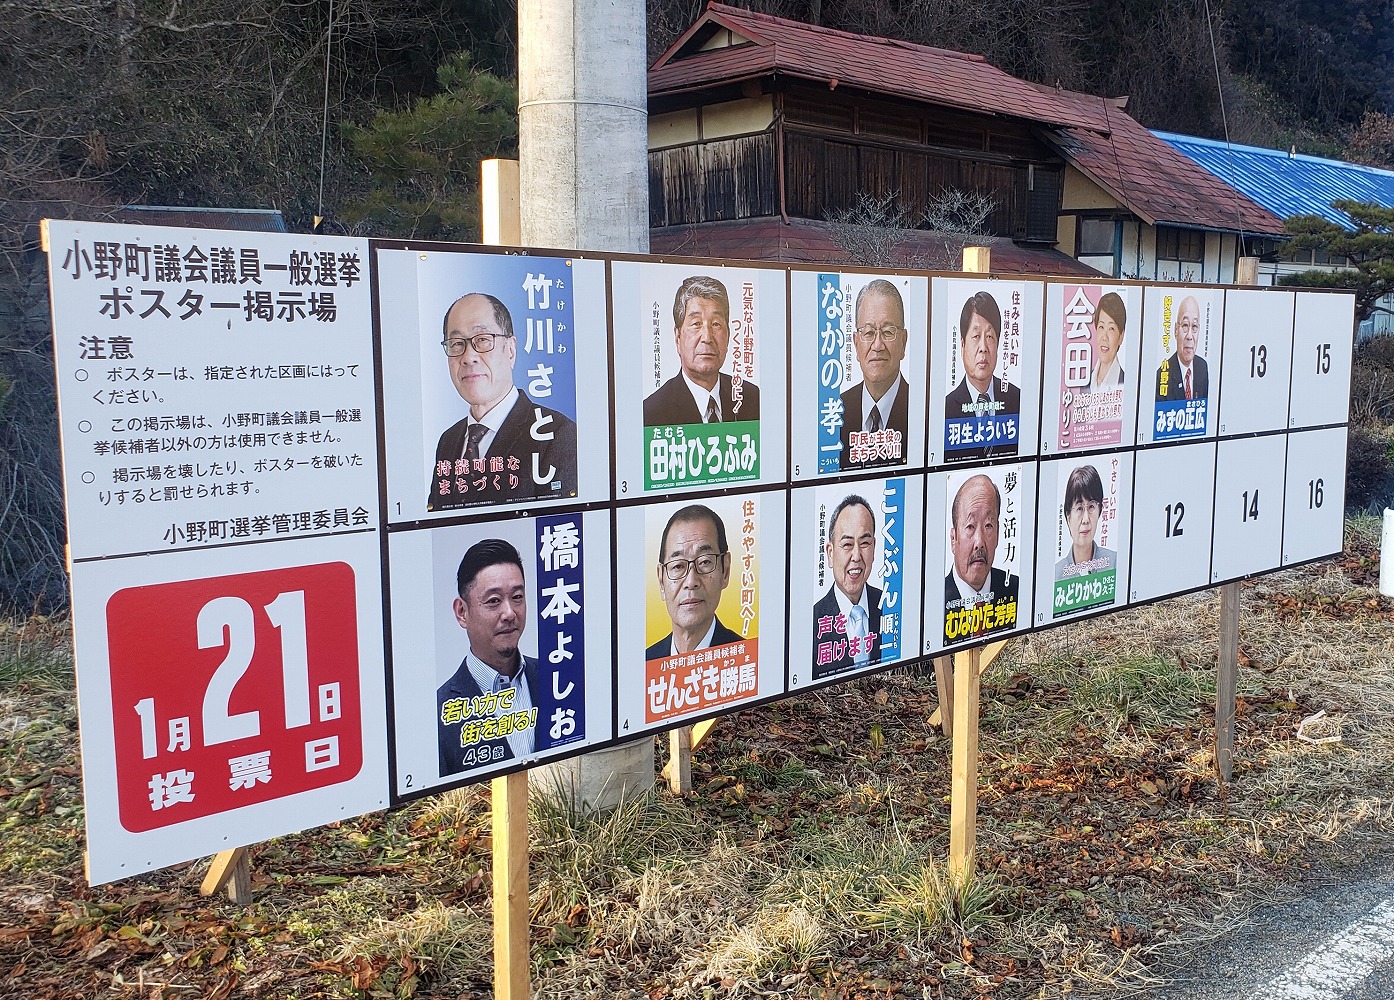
(512, 963)
(1225, 681)
(233, 870)
(679, 769)
(944, 681)
(963, 795)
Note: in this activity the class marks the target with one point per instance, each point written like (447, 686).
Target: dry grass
(810, 861)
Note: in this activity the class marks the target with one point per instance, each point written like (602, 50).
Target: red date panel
(233, 690)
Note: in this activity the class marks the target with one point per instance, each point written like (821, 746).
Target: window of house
(1180, 244)
(1095, 238)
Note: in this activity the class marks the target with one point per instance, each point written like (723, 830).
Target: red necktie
(1188, 383)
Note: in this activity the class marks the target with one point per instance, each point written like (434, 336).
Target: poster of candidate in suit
(988, 515)
(1083, 535)
(700, 583)
(1092, 348)
(501, 652)
(858, 367)
(699, 375)
(483, 355)
(1181, 360)
(858, 546)
(987, 337)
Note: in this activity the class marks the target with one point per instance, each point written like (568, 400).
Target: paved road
(1334, 943)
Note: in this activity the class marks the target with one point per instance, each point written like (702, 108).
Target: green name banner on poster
(701, 454)
(1080, 592)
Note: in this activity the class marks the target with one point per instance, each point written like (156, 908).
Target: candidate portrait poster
(1084, 536)
(484, 357)
(987, 335)
(501, 651)
(1092, 349)
(986, 522)
(858, 365)
(1181, 360)
(700, 397)
(858, 546)
(709, 577)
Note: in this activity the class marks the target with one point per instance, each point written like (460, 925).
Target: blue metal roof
(1285, 183)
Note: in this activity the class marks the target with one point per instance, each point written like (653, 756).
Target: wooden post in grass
(681, 742)
(963, 787)
(498, 192)
(944, 681)
(1225, 681)
(512, 964)
(233, 870)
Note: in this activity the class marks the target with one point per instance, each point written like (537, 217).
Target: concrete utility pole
(584, 185)
(583, 124)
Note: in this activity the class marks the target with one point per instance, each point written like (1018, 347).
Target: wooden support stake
(501, 216)
(680, 753)
(512, 963)
(1246, 271)
(232, 869)
(679, 769)
(944, 680)
(977, 259)
(963, 789)
(1225, 681)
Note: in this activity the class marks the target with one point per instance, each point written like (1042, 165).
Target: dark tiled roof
(1156, 182)
(1094, 134)
(802, 241)
(882, 65)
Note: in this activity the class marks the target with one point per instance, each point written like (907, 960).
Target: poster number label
(1176, 513)
(233, 690)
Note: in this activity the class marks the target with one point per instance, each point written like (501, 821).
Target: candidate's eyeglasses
(482, 343)
(706, 564)
(888, 334)
(1083, 507)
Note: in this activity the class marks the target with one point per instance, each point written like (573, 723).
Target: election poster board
(859, 543)
(1181, 360)
(1258, 358)
(709, 575)
(1083, 536)
(700, 392)
(520, 413)
(986, 537)
(536, 586)
(219, 439)
(272, 544)
(987, 369)
(1092, 347)
(858, 368)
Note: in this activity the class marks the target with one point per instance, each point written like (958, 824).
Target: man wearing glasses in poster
(694, 567)
(508, 447)
(876, 413)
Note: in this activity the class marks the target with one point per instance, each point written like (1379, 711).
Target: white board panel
(1321, 359)
(1171, 528)
(1257, 360)
(1248, 507)
(1314, 514)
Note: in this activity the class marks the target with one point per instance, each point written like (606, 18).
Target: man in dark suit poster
(508, 447)
(701, 393)
(487, 711)
(876, 413)
(694, 568)
(847, 619)
(1184, 375)
(977, 595)
(981, 403)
